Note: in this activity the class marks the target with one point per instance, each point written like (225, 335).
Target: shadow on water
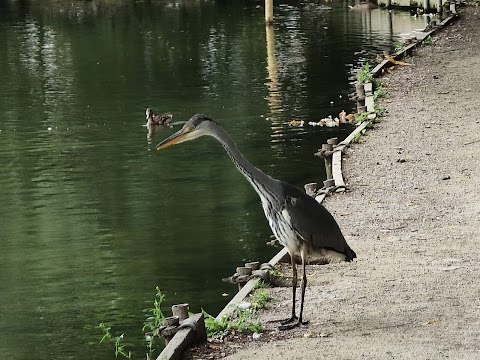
(92, 218)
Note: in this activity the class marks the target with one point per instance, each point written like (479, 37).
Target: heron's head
(197, 126)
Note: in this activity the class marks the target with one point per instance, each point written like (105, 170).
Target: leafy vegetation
(119, 346)
(241, 320)
(153, 322)
(261, 285)
(276, 273)
(380, 111)
(364, 76)
(361, 117)
(427, 41)
(261, 299)
(380, 93)
(399, 47)
(152, 325)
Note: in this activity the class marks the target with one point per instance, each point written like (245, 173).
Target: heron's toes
(293, 324)
(289, 320)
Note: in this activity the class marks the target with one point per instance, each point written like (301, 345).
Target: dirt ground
(412, 215)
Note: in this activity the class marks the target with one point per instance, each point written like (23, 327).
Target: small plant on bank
(153, 322)
(361, 118)
(261, 285)
(365, 77)
(380, 111)
(242, 320)
(427, 41)
(276, 273)
(152, 325)
(399, 47)
(117, 340)
(261, 299)
(358, 136)
(380, 93)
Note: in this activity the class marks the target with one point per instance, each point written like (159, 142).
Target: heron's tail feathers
(350, 254)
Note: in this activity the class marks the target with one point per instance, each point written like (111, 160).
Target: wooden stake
(180, 310)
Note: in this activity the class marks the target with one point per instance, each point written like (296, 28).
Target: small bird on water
(162, 120)
(298, 221)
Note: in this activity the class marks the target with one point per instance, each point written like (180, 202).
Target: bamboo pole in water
(273, 98)
(269, 12)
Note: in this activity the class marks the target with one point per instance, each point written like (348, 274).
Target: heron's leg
(304, 286)
(298, 321)
(294, 293)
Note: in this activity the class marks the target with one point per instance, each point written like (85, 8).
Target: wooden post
(361, 108)
(328, 160)
(328, 183)
(254, 265)
(171, 324)
(193, 332)
(243, 272)
(332, 141)
(360, 91)
(180, 310)
(453, 10)
(269, 12)
(310, 189)
(439, 7)
(447, 7)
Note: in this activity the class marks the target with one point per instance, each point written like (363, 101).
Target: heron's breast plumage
(280, 222)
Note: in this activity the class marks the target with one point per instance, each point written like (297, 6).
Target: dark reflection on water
(92, 218)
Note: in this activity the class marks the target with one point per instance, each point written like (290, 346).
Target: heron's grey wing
(313, 222)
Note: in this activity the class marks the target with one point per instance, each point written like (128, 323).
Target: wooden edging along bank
(192, 329)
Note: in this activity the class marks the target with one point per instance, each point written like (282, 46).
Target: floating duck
(162, 120)
(345, 119)
(332, 122)
(297, 123)
(329, 121)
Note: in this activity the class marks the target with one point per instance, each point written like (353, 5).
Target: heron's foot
(291, 323)
(289, 320)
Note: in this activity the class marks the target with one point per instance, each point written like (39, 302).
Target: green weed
(117, 340)
(261, 285)
(399, 47)
(260, 300)
(364, 76)
(241, 320)
(153, 322)
(427, 41)
(151, 325)
(380, 93)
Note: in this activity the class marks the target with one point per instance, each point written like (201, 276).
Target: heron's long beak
(178, 137)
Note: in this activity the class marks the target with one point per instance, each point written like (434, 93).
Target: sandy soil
(412, 215)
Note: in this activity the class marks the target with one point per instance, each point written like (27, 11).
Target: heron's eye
(189, 128)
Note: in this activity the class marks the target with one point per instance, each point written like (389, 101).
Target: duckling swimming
(162, 120)
(297, 123)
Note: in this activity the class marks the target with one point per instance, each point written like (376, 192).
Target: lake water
(92, 218)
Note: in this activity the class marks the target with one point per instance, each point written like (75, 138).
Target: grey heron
(299, 222)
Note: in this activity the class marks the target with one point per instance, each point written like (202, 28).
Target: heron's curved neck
(254, 175)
